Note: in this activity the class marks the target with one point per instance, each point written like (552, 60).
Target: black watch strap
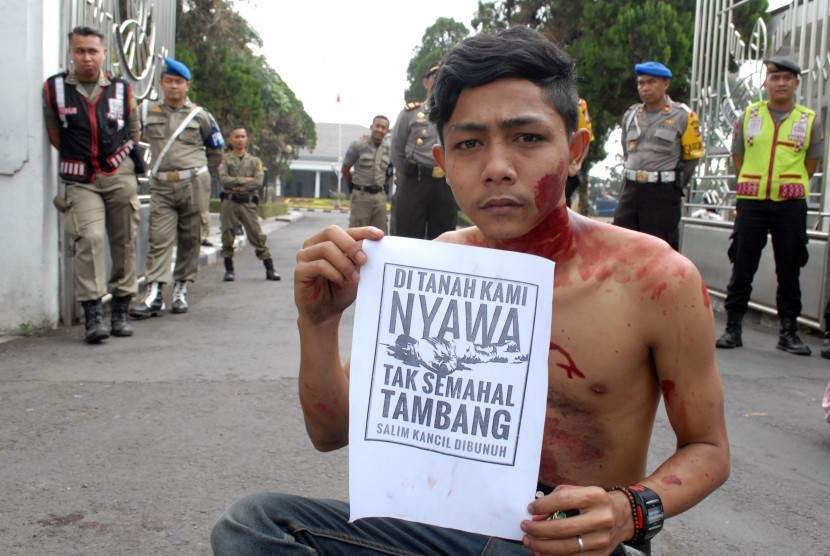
(649, 508)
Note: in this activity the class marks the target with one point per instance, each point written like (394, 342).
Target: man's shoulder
(803, 109)
(61, 74)
(410, 106)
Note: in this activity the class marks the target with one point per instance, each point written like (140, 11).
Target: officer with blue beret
(184, 140)
(661, 148)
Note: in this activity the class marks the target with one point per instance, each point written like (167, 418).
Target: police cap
(174, 67)
(432, 69)
(779, 63)
(653, 68)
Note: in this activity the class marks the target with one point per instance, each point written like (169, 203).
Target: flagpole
(339, 153)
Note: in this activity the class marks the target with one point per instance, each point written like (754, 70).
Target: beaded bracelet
(638, 521)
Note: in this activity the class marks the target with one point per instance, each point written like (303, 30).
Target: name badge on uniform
(799, 132)
(116, 109)
(754, 127)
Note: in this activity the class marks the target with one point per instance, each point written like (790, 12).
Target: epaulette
(411, 106)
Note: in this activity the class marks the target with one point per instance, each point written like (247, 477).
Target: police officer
(91, 118)
(369, 185)
(241, 176)
(425, 207)
(572, 183)
(181, 135)
(776, 147)
(661, 147)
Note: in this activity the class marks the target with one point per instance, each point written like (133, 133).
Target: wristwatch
(650, 512)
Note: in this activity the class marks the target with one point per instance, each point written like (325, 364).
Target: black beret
(779, 63)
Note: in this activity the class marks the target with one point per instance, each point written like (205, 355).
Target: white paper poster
(448, 388)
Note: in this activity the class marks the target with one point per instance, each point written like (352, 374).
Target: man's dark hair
(516, 52)
(238, 126)
(85, 31)
(381, 117)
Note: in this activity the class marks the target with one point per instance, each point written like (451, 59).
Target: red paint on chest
(668, 386)
(570, 366)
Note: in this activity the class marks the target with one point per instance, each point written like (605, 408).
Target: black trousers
(651, 208)
(786, 223)
(425, 207)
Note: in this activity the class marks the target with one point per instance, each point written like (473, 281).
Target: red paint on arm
(671, 480)
(668, 386)
(570, 367)
(324, 410)
(707, 301)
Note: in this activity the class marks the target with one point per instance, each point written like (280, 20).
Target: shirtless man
(632, 320)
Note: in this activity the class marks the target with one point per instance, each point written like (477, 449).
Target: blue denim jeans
(282, 524)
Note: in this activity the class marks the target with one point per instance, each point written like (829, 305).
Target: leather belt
(179, 175)
(641, 176)
(371, 189)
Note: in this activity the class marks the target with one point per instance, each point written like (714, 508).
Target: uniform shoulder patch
(411, 106)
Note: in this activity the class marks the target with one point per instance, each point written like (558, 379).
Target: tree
(238, 87)
(438, 39)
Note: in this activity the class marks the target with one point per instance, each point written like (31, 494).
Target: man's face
(87, 55)
(506, 155)
(652, 89)
(781, 86)
(238, 139)
(174, 88)
(380, 127)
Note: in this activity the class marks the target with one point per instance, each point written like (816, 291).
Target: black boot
(270, 273)
(825, 346)
(789, 341)
(119, 322)
(153, 304)
(732, 336)
(229, 275)
(94, 317)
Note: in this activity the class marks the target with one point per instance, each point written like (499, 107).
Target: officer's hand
(602, 523)
(327, 271)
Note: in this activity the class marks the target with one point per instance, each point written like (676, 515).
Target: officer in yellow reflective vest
(776, 147)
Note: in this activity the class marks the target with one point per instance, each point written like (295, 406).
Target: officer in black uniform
(424, 205)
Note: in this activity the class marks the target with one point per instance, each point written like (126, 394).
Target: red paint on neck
(552, 238)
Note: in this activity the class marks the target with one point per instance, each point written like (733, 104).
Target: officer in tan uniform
(91, 118)
(424, 207)
(661, 147)
(241, 176)
(369, 184)
(181, 136)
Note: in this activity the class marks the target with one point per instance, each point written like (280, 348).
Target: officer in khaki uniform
(424, 205)
(369, 184)
(241, 176)
(91, 118)
(661, 147)
(181, 137)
